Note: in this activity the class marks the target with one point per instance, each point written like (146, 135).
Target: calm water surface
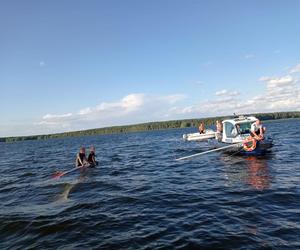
(141, 198)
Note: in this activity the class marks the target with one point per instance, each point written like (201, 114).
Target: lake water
(141, 198)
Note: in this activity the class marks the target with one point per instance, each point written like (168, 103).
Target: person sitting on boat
(81, 158)
(257, 130)
(92, 157)
(219, 126)
(201, 128)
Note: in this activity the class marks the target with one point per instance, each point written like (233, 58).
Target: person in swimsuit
(201, 128)
(92, 157)
(81, 158)
(219, 126)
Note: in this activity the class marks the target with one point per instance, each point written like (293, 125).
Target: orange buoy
(249, 144)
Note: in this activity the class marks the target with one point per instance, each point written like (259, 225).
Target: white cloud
(274, 82)
(132, 102)
(85, 111)
(54, 121)
(133, 108)
(295, 69)
(171, 99)
(226, 93)
(221, 92)
(52, 117)
(264, 78)
(281, 93)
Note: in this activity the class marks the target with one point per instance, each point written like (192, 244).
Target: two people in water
(81, 159)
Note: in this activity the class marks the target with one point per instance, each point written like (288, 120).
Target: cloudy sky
(71, 65)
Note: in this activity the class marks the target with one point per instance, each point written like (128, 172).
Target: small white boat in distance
(209, 134)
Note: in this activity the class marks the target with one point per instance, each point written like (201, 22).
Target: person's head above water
(257, 122)
(92, 149)
(82, 150)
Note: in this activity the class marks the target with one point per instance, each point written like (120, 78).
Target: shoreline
(150, 126)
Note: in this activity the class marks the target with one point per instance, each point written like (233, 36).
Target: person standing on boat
(219, 130)
(219, 126)
(257, 130)
(92, 157)
(81, 158)
(201, 128)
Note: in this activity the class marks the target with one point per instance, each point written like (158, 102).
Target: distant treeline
(150, 126)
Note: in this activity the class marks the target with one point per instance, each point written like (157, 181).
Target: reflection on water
(258, 173)
(252, 170)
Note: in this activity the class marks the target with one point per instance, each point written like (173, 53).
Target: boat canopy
(237, 129)
(241, 119)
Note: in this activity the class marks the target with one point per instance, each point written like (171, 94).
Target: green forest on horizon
(149, 126)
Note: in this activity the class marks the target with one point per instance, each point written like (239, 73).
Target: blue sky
(68, 65)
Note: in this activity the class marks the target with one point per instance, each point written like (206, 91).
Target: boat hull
(199, 137)
(262, 147)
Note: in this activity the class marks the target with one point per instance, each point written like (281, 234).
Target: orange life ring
(249, 144)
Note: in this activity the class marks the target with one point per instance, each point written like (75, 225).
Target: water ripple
(139, 197)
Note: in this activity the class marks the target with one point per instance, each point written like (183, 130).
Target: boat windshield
(244, 128)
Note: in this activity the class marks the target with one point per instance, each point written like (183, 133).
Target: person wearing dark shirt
(81, 158)
(92, 157)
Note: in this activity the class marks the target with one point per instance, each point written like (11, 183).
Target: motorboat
(234, 139)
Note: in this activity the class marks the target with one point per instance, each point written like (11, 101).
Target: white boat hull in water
(209, 134)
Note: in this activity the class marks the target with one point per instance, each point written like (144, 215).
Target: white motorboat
(234, 139)
(209, 134)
